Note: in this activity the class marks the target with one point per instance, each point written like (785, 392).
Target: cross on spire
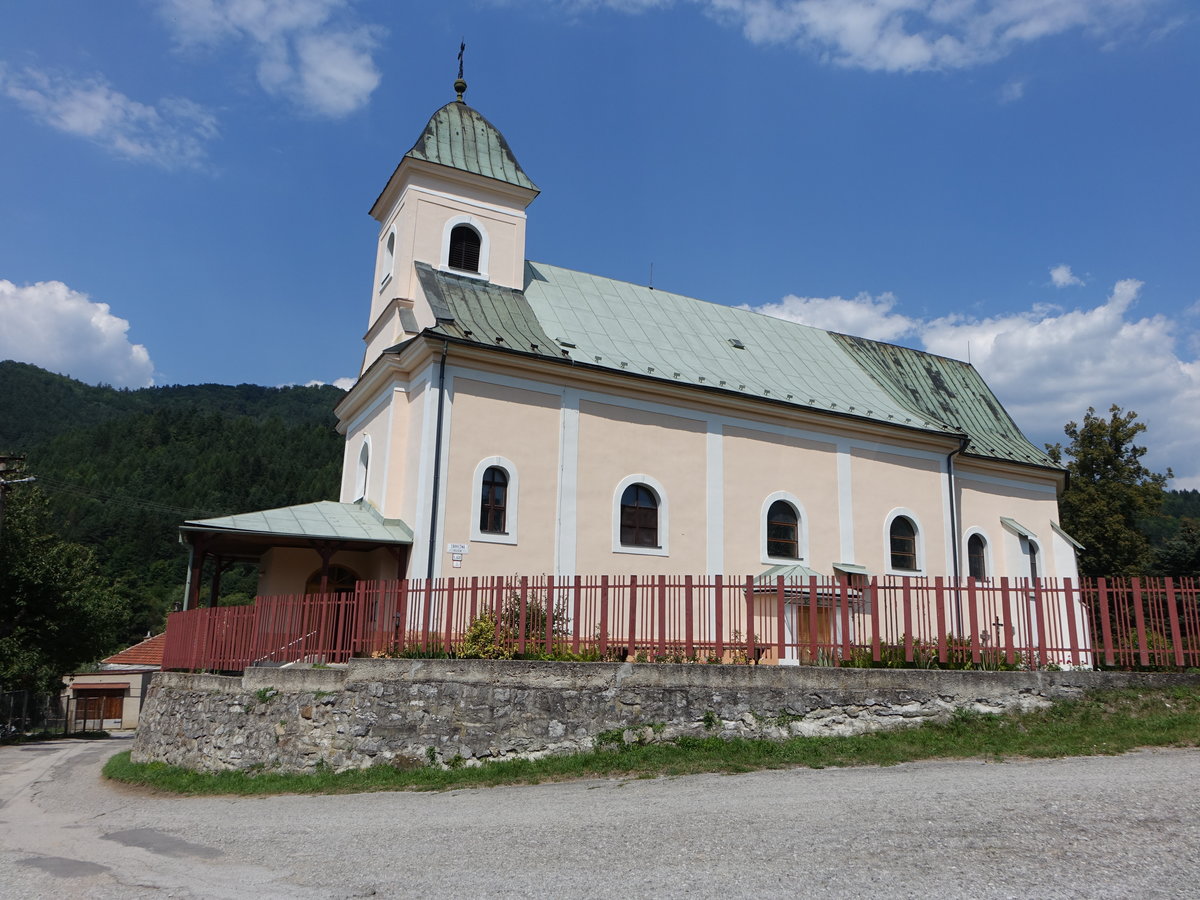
(459, 85)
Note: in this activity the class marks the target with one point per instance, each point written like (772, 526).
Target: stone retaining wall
(383, 711)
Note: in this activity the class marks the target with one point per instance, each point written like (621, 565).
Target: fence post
(906, 598)
(939, 589)
(523, 613)
(1006, 601)
(1173, 615)
(1072, 628)
(813, 650)
(576, 612)
(448, 623)
(603, 615)
(662, 615)
(750, 635)
(719, 611)
(973, 615)
(632, 615)
(688, 616)
(1040, 608)
(1139, 616)
(1105, 622)
(873, 599)
(779, 617)
(428, 611)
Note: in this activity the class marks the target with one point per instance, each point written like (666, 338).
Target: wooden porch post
(199, 553)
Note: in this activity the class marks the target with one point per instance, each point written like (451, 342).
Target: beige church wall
(758, 464)
(401, 498)
(519, 426)
(505, 237)
(884, 481)
(372, 431)
(285, 570)
(981, 506)
(672, 450)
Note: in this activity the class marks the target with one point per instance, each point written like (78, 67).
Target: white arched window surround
(387, 258)
(964, 562)
(1032, 548)
(362, 468)
(663, 518)
(484, 246)
(511, 506)
(801, 529)
(919, 538)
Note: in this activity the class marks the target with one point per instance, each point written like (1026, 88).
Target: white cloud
(864, 315)
(1061, 276)
(307, 51)
(913, 35)
(1012, 91)
(62, 330)
(172, 134)
(344, 383)
(1049, 365)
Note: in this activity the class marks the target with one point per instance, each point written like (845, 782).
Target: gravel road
(1124, 826)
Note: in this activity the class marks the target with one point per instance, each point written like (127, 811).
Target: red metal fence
(903, 622)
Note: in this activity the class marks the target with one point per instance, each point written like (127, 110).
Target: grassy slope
(1105, 723)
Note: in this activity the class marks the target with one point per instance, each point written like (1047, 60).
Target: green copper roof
(949, 390)
(471, 309)
(322, 520)
(595, 321)
(459, 137)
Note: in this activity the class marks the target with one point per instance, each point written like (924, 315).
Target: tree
(1180, 555)
(55, 611)
(1109, 492)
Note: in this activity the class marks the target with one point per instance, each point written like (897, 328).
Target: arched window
(1033, 560)
(493, 501)
(639, 517)
(360, 473)
(783, 531)
(389, 258)
(464, 248)
(977, 556)
(340, 581)
(903, 539)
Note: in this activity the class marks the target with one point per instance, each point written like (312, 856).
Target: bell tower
(457, 202)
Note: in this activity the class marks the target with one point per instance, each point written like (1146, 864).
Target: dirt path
(1099, 827)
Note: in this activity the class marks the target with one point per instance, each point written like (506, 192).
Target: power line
(79, 490)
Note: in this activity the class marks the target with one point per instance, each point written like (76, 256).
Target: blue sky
(185, 183)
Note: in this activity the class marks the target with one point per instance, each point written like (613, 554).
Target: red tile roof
(148, 653)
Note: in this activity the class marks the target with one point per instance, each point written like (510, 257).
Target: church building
(513, 416)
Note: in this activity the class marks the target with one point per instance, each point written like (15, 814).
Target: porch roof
(321, 521)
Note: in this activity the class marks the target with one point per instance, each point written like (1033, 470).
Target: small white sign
(456, 548)
(457, 557)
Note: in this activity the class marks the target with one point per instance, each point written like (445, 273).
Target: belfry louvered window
(464, 248)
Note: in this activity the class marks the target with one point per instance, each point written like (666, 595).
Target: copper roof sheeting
(459, 137)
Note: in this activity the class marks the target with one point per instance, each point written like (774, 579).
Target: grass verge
(1104, 723)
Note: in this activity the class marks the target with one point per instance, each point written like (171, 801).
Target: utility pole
(10, 466)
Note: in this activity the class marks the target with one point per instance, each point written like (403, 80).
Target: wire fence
(902, 622)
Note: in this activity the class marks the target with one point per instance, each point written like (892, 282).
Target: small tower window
(464, 248)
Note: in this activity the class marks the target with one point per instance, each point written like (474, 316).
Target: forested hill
(123, 468)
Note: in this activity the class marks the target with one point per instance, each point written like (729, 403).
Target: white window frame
(988, 563)
(484, 247)
(887, 542)
(388, 258)
(663, 548)
(362, 469)
(510, 508)
(801, 530)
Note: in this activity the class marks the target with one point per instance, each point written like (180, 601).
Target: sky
(184, 184)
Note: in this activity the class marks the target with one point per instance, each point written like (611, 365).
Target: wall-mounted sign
(456, 548)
